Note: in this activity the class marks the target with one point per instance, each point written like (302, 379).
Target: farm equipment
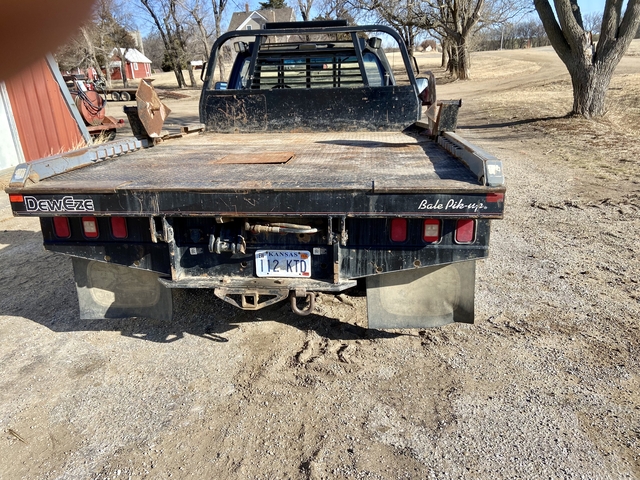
(91, 105)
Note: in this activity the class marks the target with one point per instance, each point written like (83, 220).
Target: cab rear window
(275, 70)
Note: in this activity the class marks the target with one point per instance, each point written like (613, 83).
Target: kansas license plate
(283, 263)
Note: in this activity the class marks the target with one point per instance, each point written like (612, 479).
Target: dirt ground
(545, 384)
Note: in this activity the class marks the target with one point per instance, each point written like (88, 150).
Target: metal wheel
(115, 96)
(125, 97)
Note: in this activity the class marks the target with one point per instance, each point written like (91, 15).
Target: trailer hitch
(310, 299)
(250, 299)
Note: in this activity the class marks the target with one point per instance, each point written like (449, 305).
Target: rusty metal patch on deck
(270, 157)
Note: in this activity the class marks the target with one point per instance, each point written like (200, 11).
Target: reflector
(399, 230)
(90, 227)
(465, 230)
(61, 227)
(431, 230)
(495, 197)
(16, 198)
(119, 227)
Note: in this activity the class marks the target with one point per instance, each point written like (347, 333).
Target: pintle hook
(310, 299)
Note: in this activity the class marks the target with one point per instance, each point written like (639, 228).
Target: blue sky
(590, 6)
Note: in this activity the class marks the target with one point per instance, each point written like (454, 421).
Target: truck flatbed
(311, 177)
(374, 162)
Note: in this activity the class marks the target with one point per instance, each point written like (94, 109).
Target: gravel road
(545, 384)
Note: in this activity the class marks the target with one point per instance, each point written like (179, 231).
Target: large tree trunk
(178, 73)
(107, 73)
(92, 51)
(175, 56)
(169, 41)
(445, 53)
(221, 54)
(123, 68)
(463, 64)
(459, 61)
(589, 90)
(192, 78)
(452, 62)
(410, 41)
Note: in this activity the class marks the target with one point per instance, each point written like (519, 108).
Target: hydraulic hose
(280, 228)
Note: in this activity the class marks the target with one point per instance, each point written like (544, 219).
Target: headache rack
(285, 79)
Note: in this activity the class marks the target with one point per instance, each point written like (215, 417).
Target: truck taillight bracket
(167, 230)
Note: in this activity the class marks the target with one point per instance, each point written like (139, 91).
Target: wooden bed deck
(369, 161)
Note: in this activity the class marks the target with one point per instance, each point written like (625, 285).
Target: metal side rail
(485, 166)
(63, 162)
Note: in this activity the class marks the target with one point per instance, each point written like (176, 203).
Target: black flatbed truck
(311, 176)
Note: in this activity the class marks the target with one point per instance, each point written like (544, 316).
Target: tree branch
(554, 32)
(570, 23)
(612, 46)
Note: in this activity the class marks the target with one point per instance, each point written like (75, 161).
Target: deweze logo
(64, 204)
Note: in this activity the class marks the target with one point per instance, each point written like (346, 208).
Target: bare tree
(176, 24)
(453, 21)
(457, 20)
(401, 15)
(106, 30)
(219, 7)
(198, 13)
(154, 49)
(590, 66)
(336, 10)
(592, 22)
(162, 13)
(305, 7)
(123, 42)
(524, 34)
(91, 49)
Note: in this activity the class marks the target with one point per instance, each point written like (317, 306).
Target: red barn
(138, 66)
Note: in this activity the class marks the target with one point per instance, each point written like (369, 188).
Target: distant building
(138, 66)
(255, 19)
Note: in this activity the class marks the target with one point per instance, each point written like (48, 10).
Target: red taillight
(465, 231)
(90, 227)
(61, 227)
(16, 198)
(431, 230)
(399, 229)
(495, 197)
(119, 227)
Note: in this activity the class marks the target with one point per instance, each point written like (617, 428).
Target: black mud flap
(422, 298)
(112, 291)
